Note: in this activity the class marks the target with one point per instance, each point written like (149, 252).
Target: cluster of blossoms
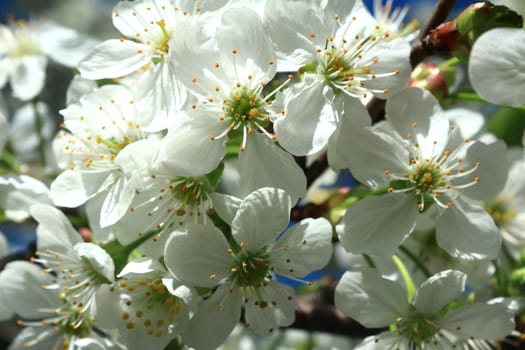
(184, 161)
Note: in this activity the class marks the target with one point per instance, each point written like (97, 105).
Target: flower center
(250, 269)
(245, 108)
(417, 328)
(501, 211)
(148, 304)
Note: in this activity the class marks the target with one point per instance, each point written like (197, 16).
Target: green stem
(411, 288)
(451, 62)
(508, 256)
(38, 129)
(370, 262)
(10, 161)
(420, 265)
(467, 96)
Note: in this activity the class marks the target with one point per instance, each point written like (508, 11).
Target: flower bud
(434, 78)
(517, 282)
(483, 16)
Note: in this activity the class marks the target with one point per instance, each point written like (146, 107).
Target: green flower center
(250, 269)
(245, 109)
(416, 327)
(501, 211)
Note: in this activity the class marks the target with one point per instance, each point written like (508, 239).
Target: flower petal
(262, 215)
(370, 299)
(28, 76)
(279, 311)
(114, 58)
(205, 269)
(73, 188)
(307, 133)
(379, 224)
(493, 66)
(417, 113)
(492, 170)
(215, 319)
(259, 163)
(481, 321)
(225, 205)
(54, 231)
(467, 232)
(439, 290)
(303, 248)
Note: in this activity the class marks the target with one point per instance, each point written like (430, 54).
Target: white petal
(162, 96)
(18, 193)
(303, 248)
(349, 148)
(114, 58)
(384, 341)
(467, 232)
(241, 29)
(439, 290)
(493, 66)
(417, 113)
(28, 76)
(290, 32)
(73, 188)
(379, 224)
(131, 18)
(280, 311)
(21, 283)
(470, 122)
(391, 56)
(209, 266)
(262, 215)
(23, 123)
(481, 321)
(211, 325)
(225, 205)
(64, 45)
(303, 133)
(355, 116)
(77, 88)
(259, 163)
(369, 299)
(189, 151)
(29, 334)
(492, 170)
(54, 231)
(99, 259)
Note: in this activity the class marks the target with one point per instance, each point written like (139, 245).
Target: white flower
(80, 268)
(342, 54)
(243, 267)
(150, 28)
(228, 82)
(421, 166)
(51, 320)
(391, 20)
(24, 48)
(508, 210)
(106, 129)
(424, 321)
(492, 67)
(147, 307)
(18, 193)
(160, 200)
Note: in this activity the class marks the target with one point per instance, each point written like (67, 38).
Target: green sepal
(483, 16)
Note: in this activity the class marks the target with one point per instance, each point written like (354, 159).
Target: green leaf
(508, 124)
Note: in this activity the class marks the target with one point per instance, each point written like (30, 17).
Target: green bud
(434, 78)
(517, 282)
(483, 16)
